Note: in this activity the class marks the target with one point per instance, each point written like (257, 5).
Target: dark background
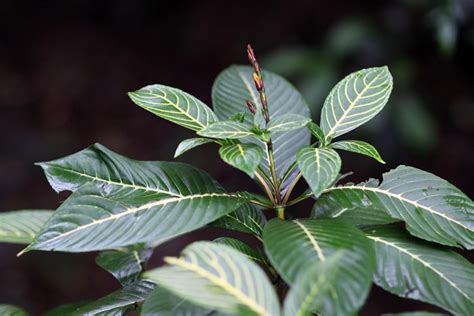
(65, 68)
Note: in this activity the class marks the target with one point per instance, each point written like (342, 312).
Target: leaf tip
(25, 250)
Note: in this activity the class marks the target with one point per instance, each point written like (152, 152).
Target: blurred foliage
(355, 42)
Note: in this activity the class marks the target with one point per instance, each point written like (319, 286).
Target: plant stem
(280, 212)
(265, 186)
(271, 160)
(291, 187)
(300, 198)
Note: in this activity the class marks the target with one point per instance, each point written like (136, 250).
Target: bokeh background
(65, 68)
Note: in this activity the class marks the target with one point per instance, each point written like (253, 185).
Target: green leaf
(242, 247)
(355, 100)
(20, 227)
(247, 219)
(10, 310)
(245, 157)
(127, 201)
(125, 264)
(161, 302)
(234, 85)
(347, 208)
(288, 122)
(119, 301)
(68, 308)
(218, 277)
(432, 208)
(419, 270)
(295, 246)
(359, 147)
(319, 167)
(416, 313)
(317, 132)
(174, 105)
(319, 289)
(189, 144)
(226, 130)
(97, 219)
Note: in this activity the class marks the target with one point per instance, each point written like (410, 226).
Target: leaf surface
(161, 302)
(359, 147)
(242, 247)
(189, 144)
(432, 208)
(11, 310)
(318, 289)
(234, 85)
(226, 130)
(355, 100)
(295, 246)
(288, 122)
(174, 105)
(419, 270)
(245, 157)
(319, 167)
(124, 264)
(247, 219)
(21, 227)
(218, 277)
(119, 301)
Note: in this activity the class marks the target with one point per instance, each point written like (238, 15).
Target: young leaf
(242, 247)
(226, 130)
(11, 310)
(247, 219)
(174, 105)
(359, 147)
(234, 85)
(320, 289)
(355, 100)
(218, 277)
(432, 208)
(161, 302)
(95, 218)
(21, 227)
(317, 132)
(189, 144)
(288, 122)
(125, 264)
(119, 301)
(245, 157)
(419, 270)
(319, 166)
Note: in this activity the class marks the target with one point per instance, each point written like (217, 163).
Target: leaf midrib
(424, 263)
(248, 301)
(312, 240)
(398, 196)
(133, 211)
(350, 107)
(126, 185)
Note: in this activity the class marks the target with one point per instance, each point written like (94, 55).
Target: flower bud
(251, 106)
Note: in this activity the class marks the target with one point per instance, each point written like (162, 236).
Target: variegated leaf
(174, 105)
(359, 147)
(245, 157)
(226, 130)
(354, 100)
(319, 166)
(189, 144)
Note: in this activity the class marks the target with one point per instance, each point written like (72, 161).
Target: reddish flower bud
(251, 106)
(258, 81)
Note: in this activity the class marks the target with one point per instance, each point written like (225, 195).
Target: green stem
(271, 160)
(300, 198)
(280, 212)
